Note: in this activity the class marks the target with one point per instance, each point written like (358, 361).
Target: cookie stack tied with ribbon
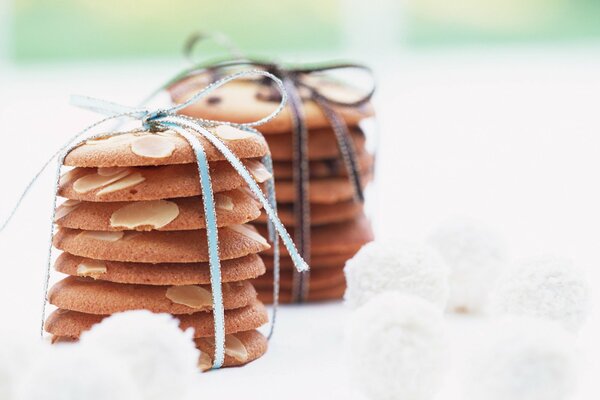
(131, 232)
(321, 163)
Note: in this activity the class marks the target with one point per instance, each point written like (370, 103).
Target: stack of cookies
(339, 227)
(132, 235)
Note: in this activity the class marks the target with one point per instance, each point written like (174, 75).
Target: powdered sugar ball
(17, 353)
(71, 372)
(161, 358)
(395, 347)
(522, 358)
(401, 266)
(548, 287)
(475, 255)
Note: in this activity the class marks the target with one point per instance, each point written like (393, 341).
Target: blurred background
(487, 109)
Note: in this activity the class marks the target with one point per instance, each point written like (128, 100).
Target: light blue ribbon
(169, 119)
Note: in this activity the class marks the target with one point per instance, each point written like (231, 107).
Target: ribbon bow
(168, 118)
(297, 85)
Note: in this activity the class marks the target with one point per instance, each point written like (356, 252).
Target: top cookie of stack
(133, 236)
(338, 225)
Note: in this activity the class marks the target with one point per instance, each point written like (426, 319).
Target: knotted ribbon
(294, 80)
(167, 118)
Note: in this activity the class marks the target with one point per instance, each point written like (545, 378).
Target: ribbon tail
(345, 145)
(302, 234)
(213, 244)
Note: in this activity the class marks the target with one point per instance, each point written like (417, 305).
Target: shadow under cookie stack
(132, 234)
(339, 227)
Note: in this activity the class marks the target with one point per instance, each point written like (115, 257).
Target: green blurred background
(42, 30)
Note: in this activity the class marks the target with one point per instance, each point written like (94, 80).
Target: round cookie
(342, 238)
(322, 191)
(319, 279)
(322, 145)
(320, 214)
(329, 168)
(233, 207)
(162, 148)
(285, 297)
(151, 183)
(159, 247)
(249, 100)
(70, 324)
(317, 261)
(237, 269)
(99, 297)
(240, 348)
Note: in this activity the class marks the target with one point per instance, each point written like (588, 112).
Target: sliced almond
(110, 171)
(249, 232)
(103, 235)
(94, 181)
(192, 296)
(153, 146)
(151, 214)
(65, 208)
(233, 347)
(68, 176)
(258, 170)
(128, 181)
(205, 362)
(223, 202)
(228, 132)
(91, 268)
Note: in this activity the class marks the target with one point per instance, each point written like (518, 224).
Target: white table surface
(511, 138)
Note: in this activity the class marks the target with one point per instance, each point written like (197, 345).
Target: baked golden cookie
(162, 148)
(314, 295)
(322, 191)
(70, 324)
(319, 279)
(249, 100)
(91, 296)
(233, 207)
(317, 261)
(328, 168)
(240, 348)
(320, 214)
(237, 269)
(342, 238)
(159, 246)
(322, 145)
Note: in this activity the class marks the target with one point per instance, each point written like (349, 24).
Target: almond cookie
(70, 324)
(237, 269)
(158, 246)
(162, 148)
(322, 145)
(233, 207)
(329, 168)
(99, 297)
(342, 238)
(240, 349)
(319, 279)
(249, 100)
(320, 214)
(322, 294)
(322, 191)
(151, 183)
(317, 261)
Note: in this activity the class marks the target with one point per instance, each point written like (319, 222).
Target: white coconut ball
(522, 358)
(162, 359)
(17, 353)
(71, 372)
(547, 287)
(406, 267)
(475, 255)
(395, 348)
